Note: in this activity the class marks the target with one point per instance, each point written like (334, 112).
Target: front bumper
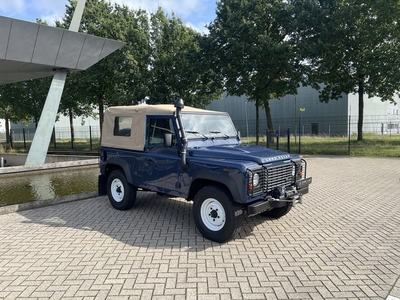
(280, 198)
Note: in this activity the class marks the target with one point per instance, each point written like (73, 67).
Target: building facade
(304, 113)
(2, 130)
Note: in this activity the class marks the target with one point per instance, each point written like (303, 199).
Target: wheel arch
(202, 179)
(118, 163)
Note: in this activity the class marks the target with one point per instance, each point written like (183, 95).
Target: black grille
(272, 177)
(278, 176)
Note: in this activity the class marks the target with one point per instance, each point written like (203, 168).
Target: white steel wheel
(213, 214)
(117, 190)
(216, 216)
(121, 194)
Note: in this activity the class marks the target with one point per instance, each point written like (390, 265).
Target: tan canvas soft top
(136, 140)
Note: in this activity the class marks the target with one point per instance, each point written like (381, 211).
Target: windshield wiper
(224, 134)
(195, 132)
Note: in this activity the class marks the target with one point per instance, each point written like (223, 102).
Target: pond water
(20, 188)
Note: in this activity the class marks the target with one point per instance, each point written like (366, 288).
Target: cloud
(49, 10)
(195, 13)
(183, 8)
(30, 10)
(200, 27)
(12, 7)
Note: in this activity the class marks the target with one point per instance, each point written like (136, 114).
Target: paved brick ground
(342, 243)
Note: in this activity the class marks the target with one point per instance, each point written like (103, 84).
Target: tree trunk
(268, 115)
(360, 108)
(71, 125)
(8, 138)
(257, 122)
(270, 127)
(101, 115)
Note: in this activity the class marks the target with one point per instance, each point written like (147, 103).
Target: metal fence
(305, 141)
(60, 133)
(332, 126)
(288, 134)
(87, 134)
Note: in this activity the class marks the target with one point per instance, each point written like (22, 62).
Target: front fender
(220, 178)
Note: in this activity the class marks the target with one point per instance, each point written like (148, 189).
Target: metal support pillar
(41, 141)
(77, 17)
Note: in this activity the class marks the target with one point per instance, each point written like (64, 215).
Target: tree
(161, 60)
(350, 46)
(119, 78)
(73, 103)
(9, 95)
(33, 99)
(256, 57)
(23, 101)
(181, 65)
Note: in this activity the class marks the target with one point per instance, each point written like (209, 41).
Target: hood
(257, 154)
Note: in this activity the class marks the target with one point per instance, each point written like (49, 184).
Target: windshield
(206, 126)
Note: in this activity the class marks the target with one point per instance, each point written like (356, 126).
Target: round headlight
(293, 171)
(256, 180)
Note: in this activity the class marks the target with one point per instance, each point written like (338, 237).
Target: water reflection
(21, 188)
(42, 187)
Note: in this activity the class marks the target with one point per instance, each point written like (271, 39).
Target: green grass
(372, 145)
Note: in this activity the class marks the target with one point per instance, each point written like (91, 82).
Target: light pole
(302, 109)
(247, 122)
(295, 118)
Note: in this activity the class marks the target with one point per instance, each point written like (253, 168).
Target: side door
(161, 166)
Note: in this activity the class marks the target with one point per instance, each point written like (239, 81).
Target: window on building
(314, 128)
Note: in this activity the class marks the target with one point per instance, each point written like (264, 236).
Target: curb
(48, 166)
(49, 202)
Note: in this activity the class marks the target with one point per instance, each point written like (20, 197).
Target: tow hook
(299, 199)
(286, 195)
(291, 193)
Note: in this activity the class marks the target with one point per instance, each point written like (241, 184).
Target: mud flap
(102, 185)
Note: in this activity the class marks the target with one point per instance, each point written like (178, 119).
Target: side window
(122, 126)
(158, 127)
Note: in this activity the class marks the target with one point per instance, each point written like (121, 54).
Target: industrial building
(305, 113)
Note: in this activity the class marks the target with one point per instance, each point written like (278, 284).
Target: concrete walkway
(343, 242)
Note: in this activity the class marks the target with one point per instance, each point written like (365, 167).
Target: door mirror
(167, 139)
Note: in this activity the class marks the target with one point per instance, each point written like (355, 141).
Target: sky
(194, 13)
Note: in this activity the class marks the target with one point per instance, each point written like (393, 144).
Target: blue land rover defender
(197, 155)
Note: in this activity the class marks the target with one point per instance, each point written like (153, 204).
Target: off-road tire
(215, 214)
(121, 194)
